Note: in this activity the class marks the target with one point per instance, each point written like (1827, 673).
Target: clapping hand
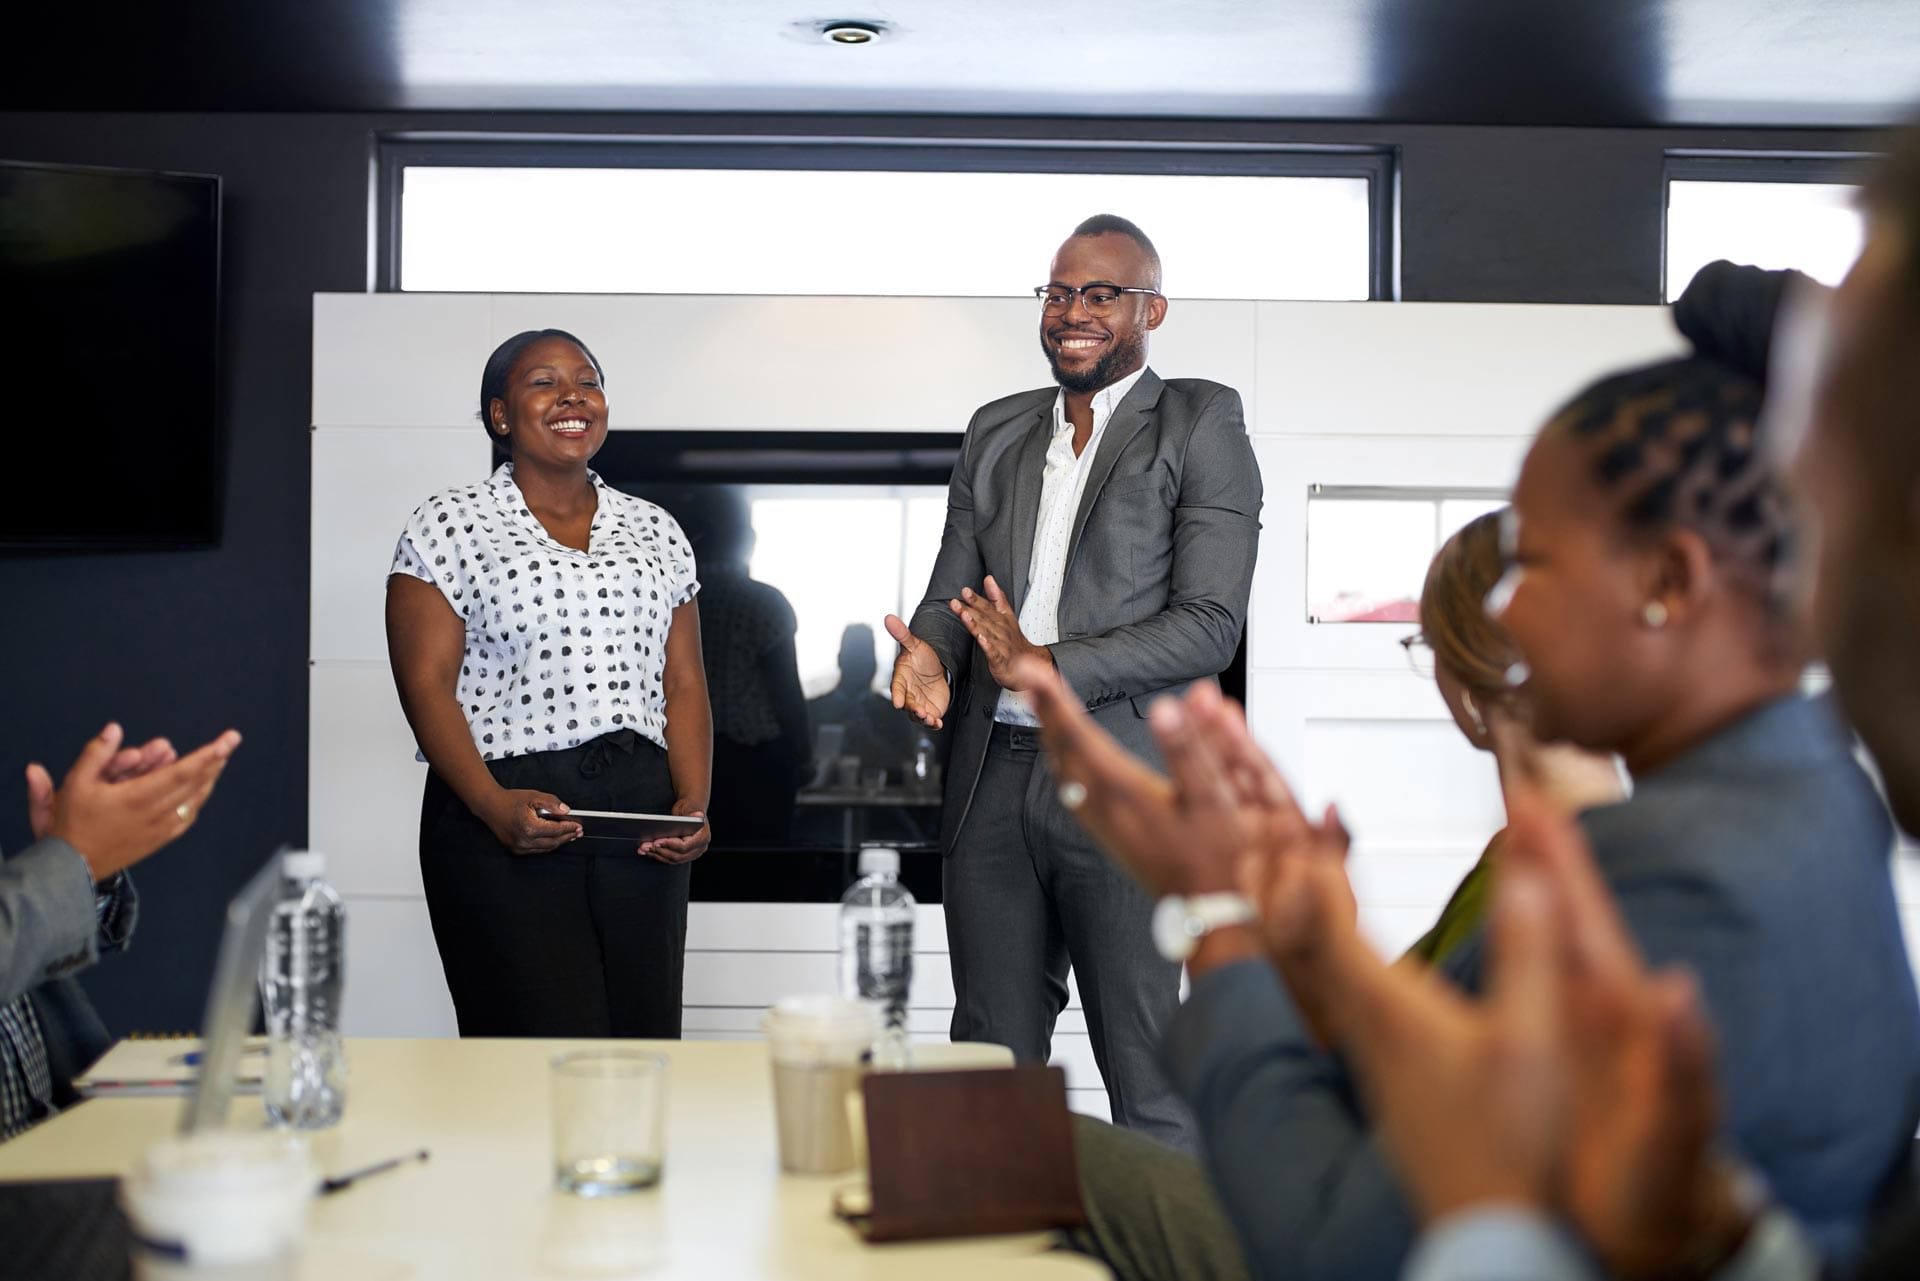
(919, 677)
(994, 626)
(119, 804)
(1581, 1085)
(1179, 835)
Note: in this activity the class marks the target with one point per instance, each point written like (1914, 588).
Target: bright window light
(761, 231)
(883, 541)
(1368, 549)
(1814, 227)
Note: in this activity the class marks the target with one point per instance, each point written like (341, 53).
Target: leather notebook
(969, 1153)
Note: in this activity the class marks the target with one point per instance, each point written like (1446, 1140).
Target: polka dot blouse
(562, 645)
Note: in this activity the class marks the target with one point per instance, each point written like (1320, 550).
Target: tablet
(605, 825)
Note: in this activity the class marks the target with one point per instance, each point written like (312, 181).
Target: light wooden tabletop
(483, 1205)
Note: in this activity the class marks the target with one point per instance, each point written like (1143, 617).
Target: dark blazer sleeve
(49, 922)
(1304, 1182)
(1216, 533)
(958, 564)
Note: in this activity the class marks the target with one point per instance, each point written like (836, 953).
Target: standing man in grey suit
(1109, 525)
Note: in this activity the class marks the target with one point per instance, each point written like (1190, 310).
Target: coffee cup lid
(823, 1016)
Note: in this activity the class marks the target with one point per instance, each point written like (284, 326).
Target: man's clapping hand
(119, 804)
(919, 677)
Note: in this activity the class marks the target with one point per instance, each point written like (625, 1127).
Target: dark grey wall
(185, 644)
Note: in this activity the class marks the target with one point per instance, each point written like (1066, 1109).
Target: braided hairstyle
(1677, 443)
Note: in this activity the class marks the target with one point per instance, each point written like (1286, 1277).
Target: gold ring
(184, 812)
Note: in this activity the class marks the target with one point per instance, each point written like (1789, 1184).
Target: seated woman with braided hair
(1647, 538)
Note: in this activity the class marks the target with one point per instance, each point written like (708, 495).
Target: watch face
(1170, 928)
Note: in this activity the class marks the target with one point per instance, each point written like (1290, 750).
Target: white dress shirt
(1065, 481)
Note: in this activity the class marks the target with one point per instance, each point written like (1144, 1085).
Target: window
(884, 538)
(1772, 213)
(1368, 548)
(848, 218)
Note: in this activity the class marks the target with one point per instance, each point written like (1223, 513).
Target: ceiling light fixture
(850, 32)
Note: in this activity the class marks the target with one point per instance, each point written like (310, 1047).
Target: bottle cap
(303, 865)
(879, 859)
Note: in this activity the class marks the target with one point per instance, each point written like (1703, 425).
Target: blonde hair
(1473, 648)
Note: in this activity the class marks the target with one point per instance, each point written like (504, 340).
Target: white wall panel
(1444, 369)
(795, 927)
(366, 482)
(1091, 1103)
(399, 360)
(363, 785)
(837, 364)
(1399, 778)
(394, 981)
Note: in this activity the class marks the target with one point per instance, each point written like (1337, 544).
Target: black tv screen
(109, 318)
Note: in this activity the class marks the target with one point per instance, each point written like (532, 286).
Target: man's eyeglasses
(1098, 298)
(1419, 654)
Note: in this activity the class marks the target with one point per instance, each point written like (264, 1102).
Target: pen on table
(192, 1057)
(340, 1182)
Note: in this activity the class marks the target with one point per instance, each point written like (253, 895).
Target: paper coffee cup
(223, 1204)
(820, 1046)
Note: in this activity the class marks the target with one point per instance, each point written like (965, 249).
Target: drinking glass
(609, 1112)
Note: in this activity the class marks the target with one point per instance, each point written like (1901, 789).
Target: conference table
(483, 1205)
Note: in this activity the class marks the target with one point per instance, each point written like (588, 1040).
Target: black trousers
(1026, 891)
(566, 944)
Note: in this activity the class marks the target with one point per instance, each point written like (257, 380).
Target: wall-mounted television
(109, 321)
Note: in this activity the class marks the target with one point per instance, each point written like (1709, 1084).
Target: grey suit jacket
(49, 930)
(1158, 569)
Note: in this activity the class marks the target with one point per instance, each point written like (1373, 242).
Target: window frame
(1436, 495)
(393, 153)
(1850, 168)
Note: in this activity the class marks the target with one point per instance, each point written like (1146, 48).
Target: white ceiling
(1733, 61)
(1599, 62)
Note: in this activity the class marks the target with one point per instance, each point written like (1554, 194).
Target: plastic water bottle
(301, 981)
(876, 949)
(924, 775)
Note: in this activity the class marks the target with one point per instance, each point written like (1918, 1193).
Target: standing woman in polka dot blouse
(546, 645)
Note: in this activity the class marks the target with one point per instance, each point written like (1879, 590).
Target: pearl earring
(1654, 615)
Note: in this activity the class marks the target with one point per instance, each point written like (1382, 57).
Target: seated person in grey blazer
(1641, 594)
(66, 898)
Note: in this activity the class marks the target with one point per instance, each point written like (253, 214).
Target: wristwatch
(1179, 923)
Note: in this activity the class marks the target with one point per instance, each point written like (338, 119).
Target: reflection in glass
(1366, 559)
(795, 578)
(1368, 548)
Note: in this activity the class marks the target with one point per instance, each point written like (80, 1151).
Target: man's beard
(1122, 358)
